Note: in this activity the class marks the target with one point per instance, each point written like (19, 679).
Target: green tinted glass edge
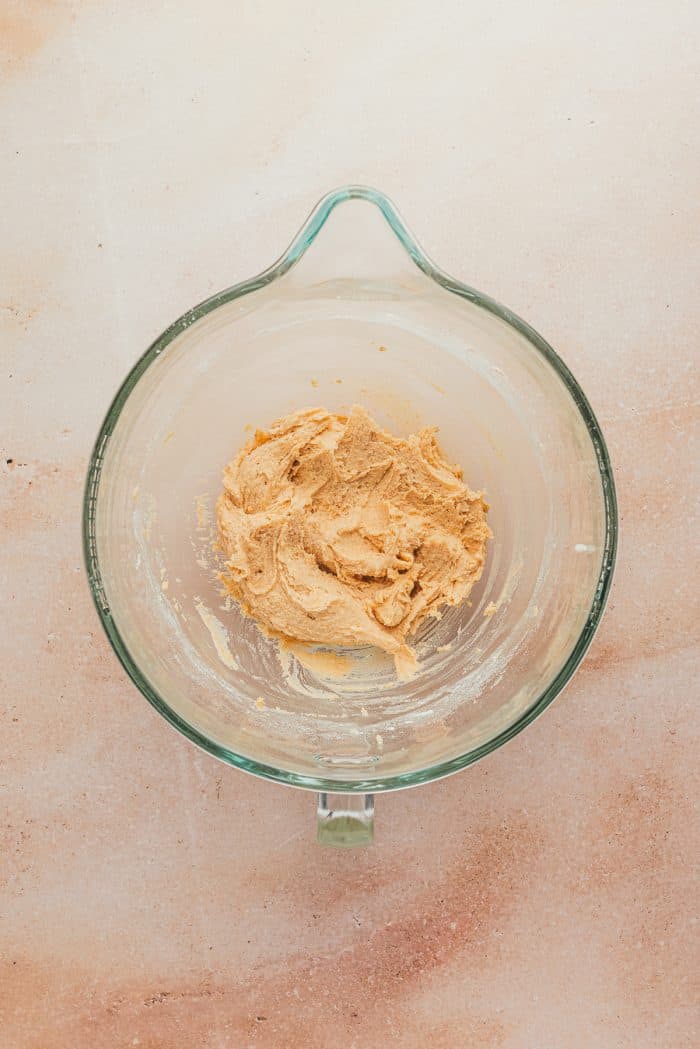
(299, 245)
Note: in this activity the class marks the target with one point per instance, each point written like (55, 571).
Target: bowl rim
(301, 242)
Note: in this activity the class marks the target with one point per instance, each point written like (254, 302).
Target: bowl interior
(413, 354)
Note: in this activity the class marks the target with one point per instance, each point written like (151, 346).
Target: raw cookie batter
(337, 532)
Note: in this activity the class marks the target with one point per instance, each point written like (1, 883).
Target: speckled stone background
(153, 152)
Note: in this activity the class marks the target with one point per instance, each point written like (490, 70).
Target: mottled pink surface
(151, 897)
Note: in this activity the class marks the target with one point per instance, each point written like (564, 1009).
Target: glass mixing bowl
(353, 312)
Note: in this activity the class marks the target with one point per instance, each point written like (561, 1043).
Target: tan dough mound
(337, 532)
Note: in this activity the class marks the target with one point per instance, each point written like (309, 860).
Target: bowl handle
(345, 821)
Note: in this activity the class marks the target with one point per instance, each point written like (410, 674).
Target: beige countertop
(152, 153)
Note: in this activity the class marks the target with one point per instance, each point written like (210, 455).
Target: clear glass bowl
(362, 317)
